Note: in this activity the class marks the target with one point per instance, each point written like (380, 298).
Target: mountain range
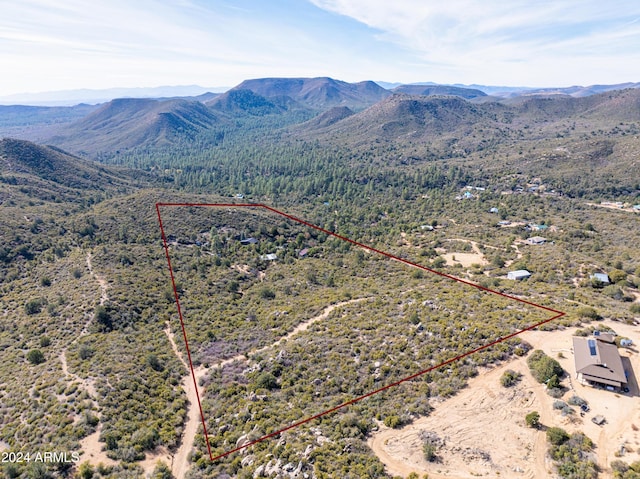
(323, 109)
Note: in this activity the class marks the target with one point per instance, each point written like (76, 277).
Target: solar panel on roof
(592, 347)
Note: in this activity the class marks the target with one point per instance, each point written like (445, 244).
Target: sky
(48, 45)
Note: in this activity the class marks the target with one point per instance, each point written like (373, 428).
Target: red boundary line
(557, 314)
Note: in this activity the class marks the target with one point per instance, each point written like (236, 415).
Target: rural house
(598, 362)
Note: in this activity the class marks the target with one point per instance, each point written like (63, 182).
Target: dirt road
(180, 458)
(483, 425)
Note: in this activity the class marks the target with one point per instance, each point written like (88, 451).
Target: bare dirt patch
(483, 426)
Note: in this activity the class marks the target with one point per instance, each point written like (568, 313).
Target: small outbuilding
(601, 278)
(536, 240)
(519, 274)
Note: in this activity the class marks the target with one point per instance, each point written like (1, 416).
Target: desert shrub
(35, 356)
(161, 471)
(34, 306)
(429, 451)
(85, 352)
(45, 281)
(103, 318)
(576, 401)
(555, 393)
(45, 341)
(154, 363)
(553, 382)
(635, 308)
(510, 378)
(617, 275)
(543, 368)
(266, 381)
(533, 419)
(613, 291)
(587, 312)
(572, 455)
(557, 436)
(267, 293)
(559, 404)
(146, 438)
(85, 471)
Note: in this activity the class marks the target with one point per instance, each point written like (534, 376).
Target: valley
(285, 321)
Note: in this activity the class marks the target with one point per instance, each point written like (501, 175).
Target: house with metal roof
(598, 362)
(601, 278)
(518, 274)
(536, 240)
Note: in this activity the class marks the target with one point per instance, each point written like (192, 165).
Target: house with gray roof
(598, 362)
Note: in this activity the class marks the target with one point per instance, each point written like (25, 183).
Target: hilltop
(126, 123)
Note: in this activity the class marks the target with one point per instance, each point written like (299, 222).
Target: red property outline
(557, 314)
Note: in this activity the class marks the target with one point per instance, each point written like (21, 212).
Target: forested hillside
(295, 321)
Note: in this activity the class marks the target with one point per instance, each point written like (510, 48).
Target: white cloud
(466, 36)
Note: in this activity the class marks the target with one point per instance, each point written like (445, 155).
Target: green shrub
(429, 451)
(34, 306)
(267, 293)
(161, 471)
(86, 471)
(266, 381)
(35, 356)
(85, 352)
(533, 419)
(510, 378)
(543, 368)
(587, 312)
(154, 363)
(557, 436)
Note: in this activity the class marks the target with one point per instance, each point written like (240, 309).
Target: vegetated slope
(403, 118)
(439, 90)
(129, 123)
(614, 106)
(326, 118)
(243, 101)
(26, 163)
(318, 93)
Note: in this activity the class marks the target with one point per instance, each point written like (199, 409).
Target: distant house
(536, 240)
(636, 207)
(303, 252)
(518, 274)
(598, 363)
(248, 241)
(494, 210)
(426, 227)
(269, 257)
(601, 278)
(535, 227)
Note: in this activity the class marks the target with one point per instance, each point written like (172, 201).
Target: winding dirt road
(181, 457)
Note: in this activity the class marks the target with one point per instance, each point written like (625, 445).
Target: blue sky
(67, 44)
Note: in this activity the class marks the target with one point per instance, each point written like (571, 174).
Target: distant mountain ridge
(128, 123)
(444, 90)
(319, 93)
(91, 96)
